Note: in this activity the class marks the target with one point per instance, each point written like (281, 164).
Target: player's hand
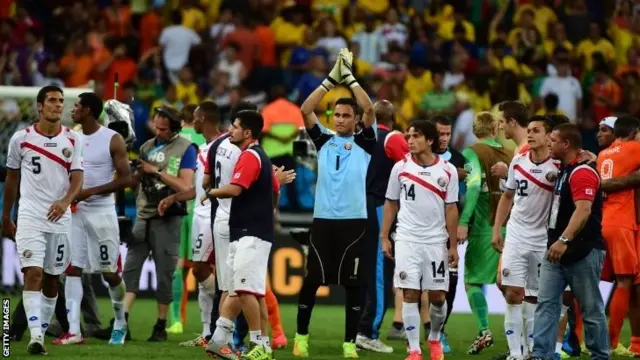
(165, 204)
(334, 76)
(463, 232)
(453, 259)
(203, 198)
(146, 167)
(497, 242)
(587, 157)
(346, 67)
(556, 251)
(8, 228)
(57, 210)
(500, 170)
(386, 248)
(284, 176)
(462, 173)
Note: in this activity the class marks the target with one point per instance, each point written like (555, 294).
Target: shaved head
(385, 112)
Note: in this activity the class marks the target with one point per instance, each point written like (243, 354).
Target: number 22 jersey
(533, 186)
(423, 192)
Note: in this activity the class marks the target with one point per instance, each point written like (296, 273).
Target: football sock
(177, 296)
(528, 313)
(48, 308)
(479, 306)
(558, 347)
(306, 302)
(224, 330)
(513, 328)
(256, 337)
(353, 312)
(116, 294)
(411, 319)
(206, 306)
(184, 299)
(73, 292)
(437, 315)
(32, 301)
(617, 313)
(274, 313)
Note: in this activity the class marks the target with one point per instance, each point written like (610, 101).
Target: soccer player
(254, 192)
(177, 311)
(47, 158)
(619, 225)
(206, 123)
(481, 201)
(526, 199)
(425, 189)
(95, 235)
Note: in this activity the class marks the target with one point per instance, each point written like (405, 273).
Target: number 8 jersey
(533, 186)
(44, 163)
(423, 192)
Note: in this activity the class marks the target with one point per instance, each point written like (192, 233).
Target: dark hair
(252, 121)
(384, 112)
(551, 101)
(429, 130)
(241, 106)
(348, 101)
(93, 102)
(515, 110)
(211, 112)
(458, 28)
(546, 122)
(558, 119)
(176, 17)
(42, 94)
(570, 133)
(441, 119)
(625, 126)
(186, 113)
(172, 115)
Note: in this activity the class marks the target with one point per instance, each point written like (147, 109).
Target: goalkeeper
(476, 221)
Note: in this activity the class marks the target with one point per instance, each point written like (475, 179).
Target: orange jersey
(619, 159)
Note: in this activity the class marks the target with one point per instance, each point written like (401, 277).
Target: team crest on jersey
(27, 254)
(402, 275)
(551, 176)
(442, 181)
(66, 152)
(348, 146)
(506, 272)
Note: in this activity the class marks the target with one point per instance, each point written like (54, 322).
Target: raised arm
(310, 104)
(368, 116)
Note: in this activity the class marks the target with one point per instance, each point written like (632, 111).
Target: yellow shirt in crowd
(415, 87)
(445, 30)
(542, 17)
(586, 48)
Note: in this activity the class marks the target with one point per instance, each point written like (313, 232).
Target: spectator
(118, 16)
(607, 95)
(232, 66)
(330, 39)
(121, 64)
(150, 29)
(392, 31)
(77, 65)
(372, 45)
(312, 78)
(439, 100)
(186, 88)
(242, 35)
(223, 26)
(566, 87)
(177, 41)
(192, 17)
(542, 15)
(594, 44)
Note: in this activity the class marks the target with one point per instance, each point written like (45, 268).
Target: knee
(201, 271)
(437, 298)
(33, 277)
(113, 279)
(411, 296)
(514, 295)
(50, 285)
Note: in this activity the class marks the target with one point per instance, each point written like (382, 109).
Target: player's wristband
(328, 83)
(351, 81)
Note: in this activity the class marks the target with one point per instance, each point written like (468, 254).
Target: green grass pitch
(326, 330)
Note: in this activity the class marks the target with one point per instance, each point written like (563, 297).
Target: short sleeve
(577, 88)
(247, 169)
(394, 187)
(189, 158)
(14, 156)
(584, 183)
(367, 138)
(545, 88)
(318, 136)
(452, 186)
(76, 160)
(511, 177)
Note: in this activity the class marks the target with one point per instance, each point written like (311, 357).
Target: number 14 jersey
(423, 192)
(533, 186)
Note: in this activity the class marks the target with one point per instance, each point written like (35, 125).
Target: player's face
(605, 136)
(237, 135)
(163, 131)
(52, 107)
(503, 125)
(198, 120)
(557, 146)
(418, 143)
(77, 113)
(444, 132)
(537, 137)
(345, 119)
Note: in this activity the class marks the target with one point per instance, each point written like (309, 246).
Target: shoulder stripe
(423, 183)
(531, 178)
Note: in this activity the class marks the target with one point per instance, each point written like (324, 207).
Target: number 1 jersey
(533, 186)
(45, 163)
(423, 192)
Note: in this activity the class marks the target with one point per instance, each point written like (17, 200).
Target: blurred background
(454, 57)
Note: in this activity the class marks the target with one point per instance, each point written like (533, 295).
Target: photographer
(166, 166)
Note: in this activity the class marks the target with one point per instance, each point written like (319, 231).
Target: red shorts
(622, 253)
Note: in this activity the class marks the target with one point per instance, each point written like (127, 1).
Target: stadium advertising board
(286, 275)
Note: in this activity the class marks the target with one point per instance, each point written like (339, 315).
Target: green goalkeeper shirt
(190, 134)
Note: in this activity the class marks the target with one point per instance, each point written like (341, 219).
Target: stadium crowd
(481, 82)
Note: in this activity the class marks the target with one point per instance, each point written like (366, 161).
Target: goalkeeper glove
(334, 76)
(346, 68)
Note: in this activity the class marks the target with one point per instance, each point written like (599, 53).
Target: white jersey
(203, 159)
(533, 186)
(423, 192)
(44, 163)
(227, 156)
(99, 168)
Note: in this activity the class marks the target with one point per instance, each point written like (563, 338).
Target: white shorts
(249, 260)
(421, 266)
(49, 251)
(95, 240)
(521, 266)
(202, 239)
(222, 258)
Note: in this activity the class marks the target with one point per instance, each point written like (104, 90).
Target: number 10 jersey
(423, 192)
(533, 186)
